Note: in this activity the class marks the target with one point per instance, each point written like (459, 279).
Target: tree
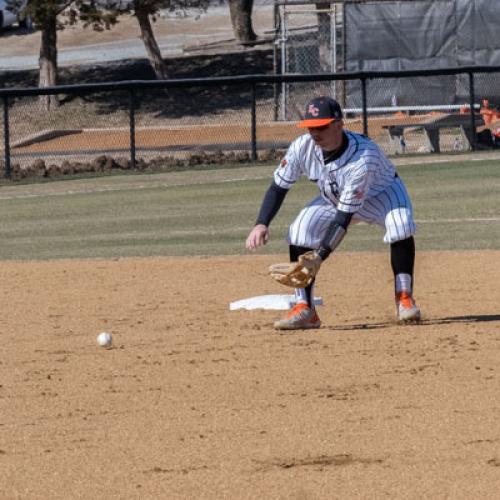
(325, 37)
(52, 15)
(146, 11)
(47, 15)
(143, 9)
(97, 14)
(241, 19)
(44, 14)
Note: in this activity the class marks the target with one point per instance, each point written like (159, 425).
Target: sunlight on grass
(211, 213)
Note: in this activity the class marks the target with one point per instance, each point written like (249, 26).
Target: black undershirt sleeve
(342, 218)
(271, 204)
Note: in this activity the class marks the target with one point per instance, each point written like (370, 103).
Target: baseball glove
(297, 274)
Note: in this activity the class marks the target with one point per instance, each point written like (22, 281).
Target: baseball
(104, 339)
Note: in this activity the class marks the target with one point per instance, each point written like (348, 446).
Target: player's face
(328, 137)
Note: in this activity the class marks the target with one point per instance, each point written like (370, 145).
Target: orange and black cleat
(301, 317)
(407, 310)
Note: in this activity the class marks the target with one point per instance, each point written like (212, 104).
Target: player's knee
(399, 226)
(302, 242)
(300, 236)
(394, 237)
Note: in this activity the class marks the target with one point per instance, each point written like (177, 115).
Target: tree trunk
(324, 38)
(241, 19)
(48, 62)
(149, 40)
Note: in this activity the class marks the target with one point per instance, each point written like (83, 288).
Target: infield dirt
(199, 402)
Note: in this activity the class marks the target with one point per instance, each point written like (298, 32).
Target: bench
(432, 127)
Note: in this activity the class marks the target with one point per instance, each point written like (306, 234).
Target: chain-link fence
(383, 35)
(154, 124)
(309, 40)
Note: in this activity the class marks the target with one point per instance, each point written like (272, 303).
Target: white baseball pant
(390, 209)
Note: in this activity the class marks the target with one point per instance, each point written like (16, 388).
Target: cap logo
(320, 112)
(313, 110)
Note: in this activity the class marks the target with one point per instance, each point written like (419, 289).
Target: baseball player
(356, 182)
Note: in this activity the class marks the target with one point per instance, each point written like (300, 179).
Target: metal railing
(251, 82)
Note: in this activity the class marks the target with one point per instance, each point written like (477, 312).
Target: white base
(276, 302)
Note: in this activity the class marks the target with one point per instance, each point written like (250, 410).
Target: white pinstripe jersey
(360, 173)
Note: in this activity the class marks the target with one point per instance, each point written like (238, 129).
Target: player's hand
(258, 236)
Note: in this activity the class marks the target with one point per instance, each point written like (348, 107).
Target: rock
(38, 168)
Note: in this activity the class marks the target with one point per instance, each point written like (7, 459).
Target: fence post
(276, 91)
(364, 106)
(254, 124)
(6, 136)
(132, 127)
(472, 98)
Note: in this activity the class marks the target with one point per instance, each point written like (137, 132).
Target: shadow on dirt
(12, 31)
(425, 322)
(360, 326)
(480, 318)
(168, 103)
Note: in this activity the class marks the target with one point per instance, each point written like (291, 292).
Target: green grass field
(457, 207)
